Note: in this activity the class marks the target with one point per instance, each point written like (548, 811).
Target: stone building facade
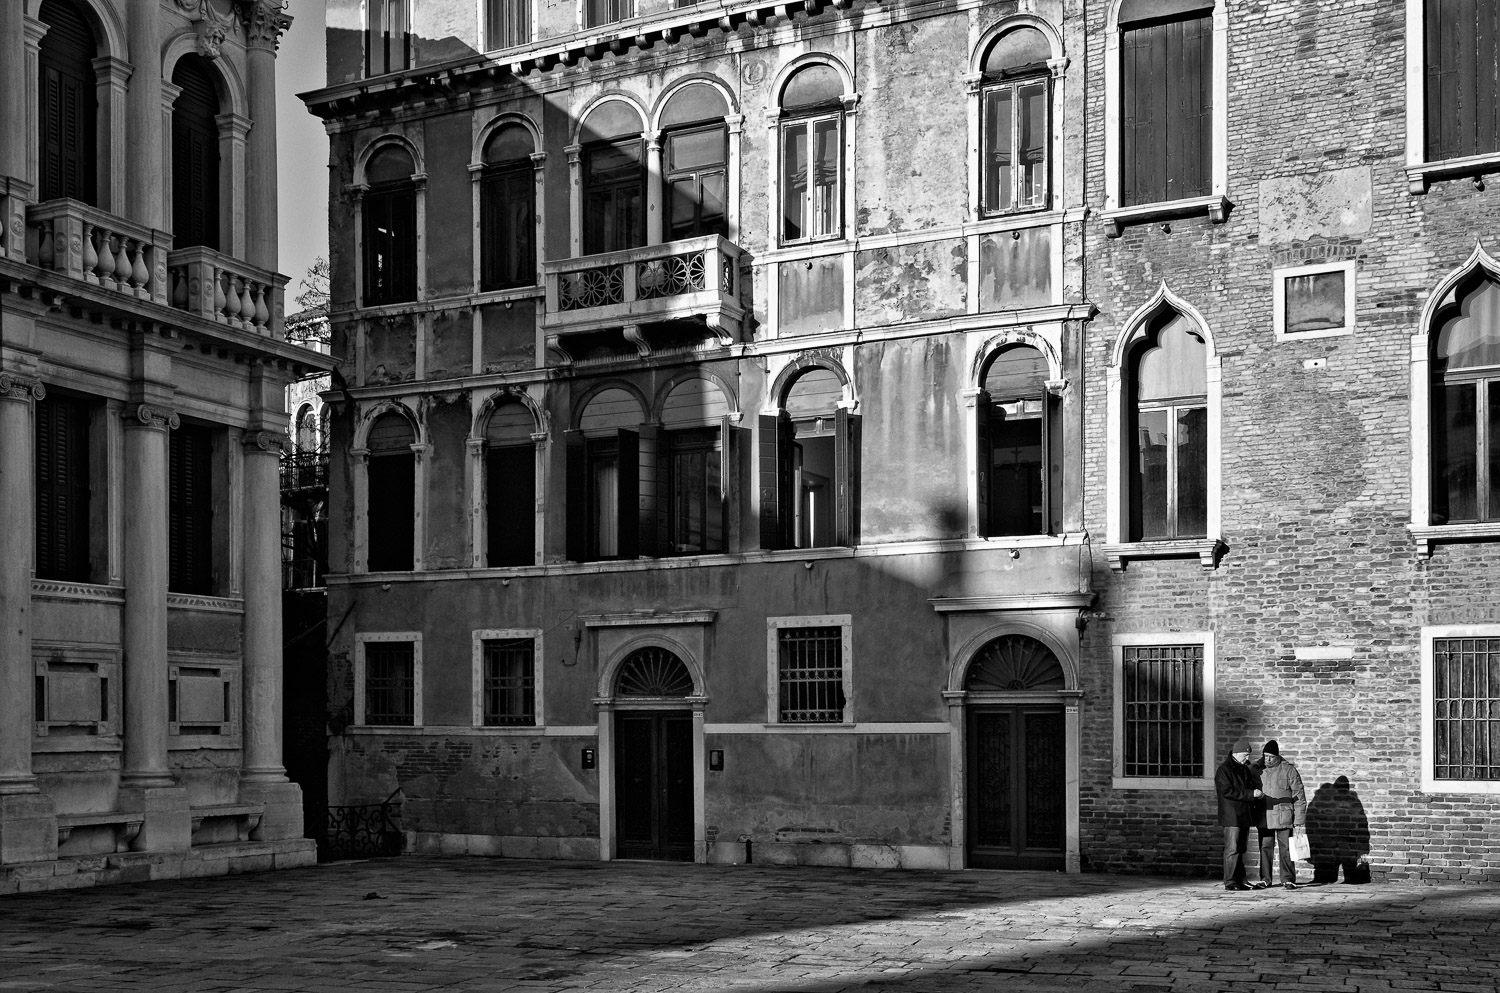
(917, 434)
(142, 376)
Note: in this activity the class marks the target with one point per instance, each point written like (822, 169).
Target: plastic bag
(1300, 849)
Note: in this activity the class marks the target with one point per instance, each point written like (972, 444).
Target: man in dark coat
(1239, 810)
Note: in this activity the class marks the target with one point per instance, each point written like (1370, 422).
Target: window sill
(1420, 177)
(1208, 550)
(1459, 787)
(1428, 535)
(1122, 783)
(1216, 206)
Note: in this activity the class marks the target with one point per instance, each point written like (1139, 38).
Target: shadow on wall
(1338, 832)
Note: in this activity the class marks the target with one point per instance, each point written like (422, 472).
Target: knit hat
(1271, 748)
(1242, 745)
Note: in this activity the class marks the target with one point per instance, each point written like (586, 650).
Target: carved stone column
(144, 195)
(264, 23)
(146, 782)
(13, 117)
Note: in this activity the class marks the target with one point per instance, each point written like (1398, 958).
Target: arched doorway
(1016, 756)
(653, 757)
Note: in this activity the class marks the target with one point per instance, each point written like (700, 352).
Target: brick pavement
(487, 924)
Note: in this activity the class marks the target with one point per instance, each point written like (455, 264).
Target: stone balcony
(684, 294)
(71, 238)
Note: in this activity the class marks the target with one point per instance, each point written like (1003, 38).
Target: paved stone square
(474, 924)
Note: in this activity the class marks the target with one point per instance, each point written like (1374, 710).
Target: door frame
(607, 703)
(972, 624)
(1035, 703)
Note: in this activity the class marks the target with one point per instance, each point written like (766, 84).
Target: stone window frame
(408, 55)
(484, 128)
(485, 26)
(657, 226)
(1419, 172)
(577, 196)
(774, 626)
(357, 190)
(1426, 533)
(1216, 204)
(1279, 278)
(1118, 644)
(359, 454)
(477, 445)
(234, 125)
(477, 639)
(366, 637)
(847, 116)
(1430, 635)
(1118, 547)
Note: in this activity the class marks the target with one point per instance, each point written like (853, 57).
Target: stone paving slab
(475, 925)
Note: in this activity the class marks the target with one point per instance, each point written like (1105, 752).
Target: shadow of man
(1338, 833)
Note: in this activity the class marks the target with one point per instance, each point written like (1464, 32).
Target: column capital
(13, 387)
(268, 442)
(265, 22)
(145, 415)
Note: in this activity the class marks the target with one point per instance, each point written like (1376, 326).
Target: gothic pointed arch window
(1465, 391)
(68, 105)
(653, 672)
(195, 155)
(1168, 449)
(1014, 663)
(1015, 127)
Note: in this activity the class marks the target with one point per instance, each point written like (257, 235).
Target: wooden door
(1016, 812)
(654, 786)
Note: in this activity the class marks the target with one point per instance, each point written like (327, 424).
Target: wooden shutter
(730, 441)
(577, 484)
(628, 503)
(1052, 463)
(983, 464)
(68, 106)
(775, 476)
(191, 510)
(1166, 76)
(1461, 57)
(653, 490)
(195, 157)
(62, 490)
(846, 482)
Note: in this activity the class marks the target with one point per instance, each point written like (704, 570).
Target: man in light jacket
(1285, 813)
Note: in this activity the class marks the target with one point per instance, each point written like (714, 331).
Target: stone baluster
(247, 305)
(231, 300)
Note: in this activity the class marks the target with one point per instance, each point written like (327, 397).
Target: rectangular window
(1461, 58)
(390, 683)
(510, 505)
(695, 518)
(1465, 451)
(388, 37)
(1164, 711)
(1313, 301)
(810, 675)
(507, 23)
(1466, 709)
(390, 246)
(1166, 111)
(613, 197)
(1015, 146)
(62, 489)
(1169, 497)
(697, 171)
(391, 487)
(190, 518)
(811, 172)
(596, 12)
(508, 687)
(507, 249)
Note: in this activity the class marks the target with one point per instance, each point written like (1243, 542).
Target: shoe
(1260, 885)
(1289, 886)
(1235, 886)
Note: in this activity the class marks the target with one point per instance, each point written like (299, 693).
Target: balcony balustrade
(71, 238)
(692, 279)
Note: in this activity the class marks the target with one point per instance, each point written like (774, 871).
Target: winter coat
(1236, 784)
(1285, 800)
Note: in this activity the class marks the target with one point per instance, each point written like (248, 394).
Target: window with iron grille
(1466, 709)
(390, 690)
(810, 675)
(509, 682)
(1164, 705)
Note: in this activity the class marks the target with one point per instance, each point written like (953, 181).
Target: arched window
(391, 494)
(387, 36)
(510, 486)
(1015, 131)
(68, 105)
(614, 179)
(507, 210)
(603, 470)
(1019, 446)
(653, 672)
(693, 450)
(808, 454)
(390, 227)
(195, 155)
(1466, 405)
(812, 155)
(1168, 447)
(307, 438)
(695, 162)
